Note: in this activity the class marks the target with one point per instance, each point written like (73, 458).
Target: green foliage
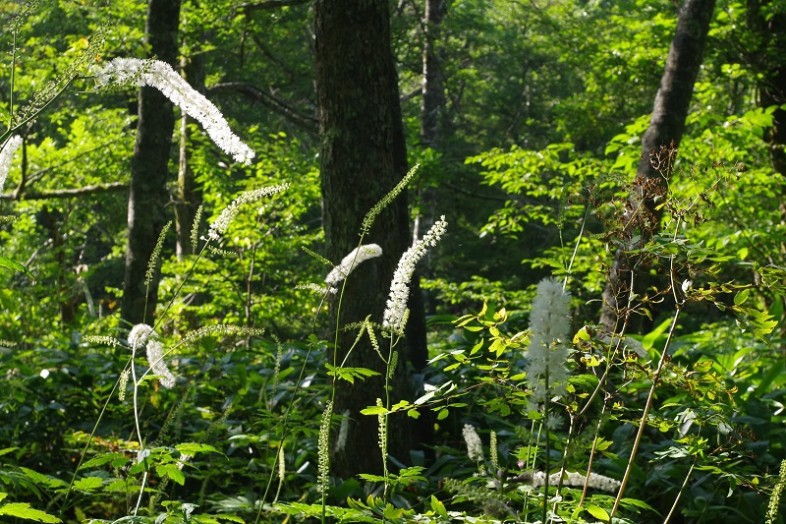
(545, 108)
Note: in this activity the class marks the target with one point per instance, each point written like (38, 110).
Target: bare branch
(112, 187)
(270, 4)
(309, 123)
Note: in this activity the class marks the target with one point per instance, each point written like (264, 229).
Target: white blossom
(220, 225)
(139, 334)
(395, 316)
(575, 479)
(351, 261)
(549, 324)
(6, 155)
(161, 76)
(155, 358)
(474, 444)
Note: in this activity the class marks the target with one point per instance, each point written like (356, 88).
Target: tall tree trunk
(149, 171)
(769, 61)
(188, 195)
(363, 156)
(433, 91)
(643, 211)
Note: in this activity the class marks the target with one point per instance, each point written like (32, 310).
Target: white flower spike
(161, 76)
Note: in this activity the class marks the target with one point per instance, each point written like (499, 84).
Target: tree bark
(643, 210)
(188, 195)
(363, 155)
(768, 60)
(149, 169)
(432, 107)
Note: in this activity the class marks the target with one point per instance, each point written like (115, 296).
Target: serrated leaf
(192, 448)
(173, 472)
(116, 459)
(371, 478)
(88, 483)
(23, 510)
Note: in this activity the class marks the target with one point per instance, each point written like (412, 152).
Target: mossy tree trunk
(362, 157)
(149, 169)
(643, 210)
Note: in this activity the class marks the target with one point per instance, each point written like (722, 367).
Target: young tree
(362, 157)
(149, 168)
(643, 210)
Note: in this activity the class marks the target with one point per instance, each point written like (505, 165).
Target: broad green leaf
(192, 448)
(116, 459)
(598, 512)
(23, 510)
(374, 410)
(88, 483)
(173, 472)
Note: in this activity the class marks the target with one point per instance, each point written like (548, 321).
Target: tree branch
(277, 105)
(270, 4)
(112, 187)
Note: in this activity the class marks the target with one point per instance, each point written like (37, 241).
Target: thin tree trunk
(769, 62)
(149, 170)
(643, 210)
(188, 197)
(363, 155)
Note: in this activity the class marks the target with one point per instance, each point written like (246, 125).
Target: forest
(345, 261)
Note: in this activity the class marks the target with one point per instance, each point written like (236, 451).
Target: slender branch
(274, 103)
(111, 187)
(271, 4)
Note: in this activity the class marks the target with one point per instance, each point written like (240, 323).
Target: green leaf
(741, 297)
(598, 512)
(116, 459)
(88, 483)
(23, 510)
(371, 478)
(173, 472)
(438, 507)
(14, 266)
(374, 410)
(192, 448)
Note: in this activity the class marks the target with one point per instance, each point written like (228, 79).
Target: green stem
(646, 412)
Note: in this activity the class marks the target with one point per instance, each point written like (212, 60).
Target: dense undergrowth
(222, 411)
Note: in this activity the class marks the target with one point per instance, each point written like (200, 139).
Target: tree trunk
(363, 155)
(432, 107)
(149, 171)
(769, 62)
(188, 196)
(643, 210)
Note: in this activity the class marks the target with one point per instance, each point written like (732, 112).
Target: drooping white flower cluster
(144, 335)
(575, 479)
(155, 357)
(473, 442)
(6, 155)
(220, 225)
(351, 261)
(161, 76)
(395, 316)
(549, 324)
